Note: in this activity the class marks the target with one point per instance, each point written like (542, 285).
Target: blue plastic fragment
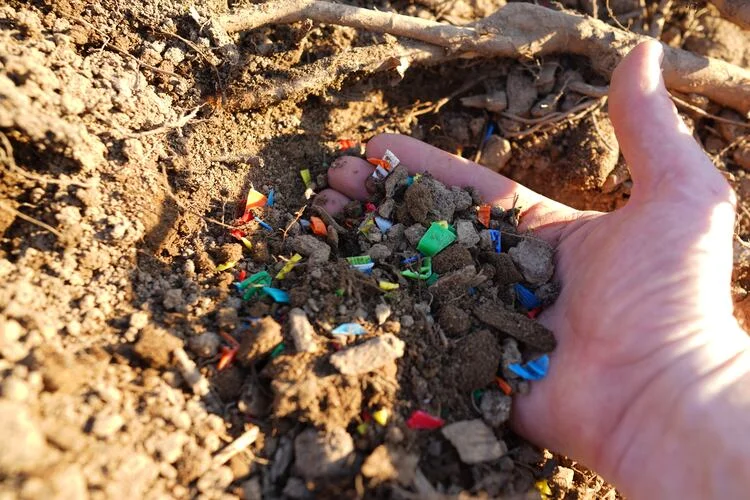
(410, 180)
(271, 197)
(489, 132)
(410, 260)
(277, 295)
(472, 291)
(264, 225)
(533, 370)
(496, 240)
(526, 297)
(383, 224)
(365, 268)
(349, 329)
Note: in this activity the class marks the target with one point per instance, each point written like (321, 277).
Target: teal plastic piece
(435, 240)
(276, 294)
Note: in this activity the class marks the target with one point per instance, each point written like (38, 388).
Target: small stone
(453, 258)
(386, 463)
(15, 389)
(227, 318)
(496, 153)
(170, 448)
(174, 54)
(475, 442)
(205, 345)
(414, 233)
(172, 299)
(385, 210)
(301, 331)
(10, 347)
(495, 407)
(379, 252)
(466, 233)
(309, 246)
(475, 360)
(258, 342)
(516, 325)
(534, 258)
(407, 320)
(251, 489)
(368, 356)
(138, 320)
(454, 320)
(282, 458)
(296, 488)
(214, 480)
(396, 179)
(107, 425)
(461, 198)
(18, 427)
(320, 454)
(382, 313)
(563, 478)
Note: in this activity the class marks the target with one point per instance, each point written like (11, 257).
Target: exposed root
(737, 11)
(519, 31)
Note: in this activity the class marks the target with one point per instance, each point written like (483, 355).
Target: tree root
(736, 11)
(520, 31)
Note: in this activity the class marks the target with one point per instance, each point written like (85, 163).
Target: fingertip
(348, 175)
(376, 147)
(331, 201)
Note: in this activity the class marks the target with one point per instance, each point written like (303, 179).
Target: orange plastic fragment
(255, 199)
(380, 163)
(346, 143)
(227, 356)
(483, 215)
(318, 226)
(504, 386)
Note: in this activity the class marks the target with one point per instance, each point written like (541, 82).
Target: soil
(125, 165)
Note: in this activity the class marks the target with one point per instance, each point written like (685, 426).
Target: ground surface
(121, 171)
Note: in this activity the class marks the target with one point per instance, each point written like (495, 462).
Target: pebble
(251, 489)
(172, 299)
(461, 198)
(563, 478)
(107, 425)
(496, 153)
(214, 480)
(466, 233)
(205, 345)
(475, 442)
(309, 246)
(259, 341)
(18, 427)
(174, 54)
(495, 407)
(138, 320)
(320, 454)
(407, 320)
(170, 448)
(10, 347)
(382, 313)
(414, 233)
(155, 346)
(301, 331)
(368, 356)
(386, 463)
(379, 252)
(15, 389)
(295, 488)
(516, 325)
(534, 259)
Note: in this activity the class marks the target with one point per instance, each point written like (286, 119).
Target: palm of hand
(642, 287)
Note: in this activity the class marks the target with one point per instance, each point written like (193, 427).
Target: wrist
(687, 436)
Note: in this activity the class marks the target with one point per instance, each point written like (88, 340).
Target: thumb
(654, 140)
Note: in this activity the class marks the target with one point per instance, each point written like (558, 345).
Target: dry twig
(30, 219)
(518, 31)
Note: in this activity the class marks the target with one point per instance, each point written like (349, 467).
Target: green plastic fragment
(278, 350)
(359, 260)
(424, 272)
(253, 285)
(432, 279)
(435, 240)
(340, 292)
(306, 177)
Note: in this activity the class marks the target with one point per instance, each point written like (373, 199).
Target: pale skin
(650, 382)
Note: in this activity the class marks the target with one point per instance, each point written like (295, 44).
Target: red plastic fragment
(370, 207)
(318, 226)
(227, 356)
(380, 163)
(504, 386)
(346, 143)
(534, 312)
(483, 215)
(237, 233)
(423, 420)
(242, 275)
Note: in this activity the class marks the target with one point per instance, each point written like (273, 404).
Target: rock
(475, 360)
(454, 320)
(429, 200)
(496, 153)
(475, 442)
(395, 180)
(214, 480)
(379, 252)
(385, 210)
(251, 489)
(522, 93)
(309, 246)
(10, 347)
(172, 299)
(495, 407)
(282, 458)
(301, 331)
(296, 488)
(461, 199)
(563, 478)
(534, 259)
(506, 272)
(548, 293)
(511, 355)
(407, 320)
(258, 342)
(15, 389)
(226, 318)
(138, 320)
(382, 313)
(414, 233)
(155, 346)
(369, 355)
(453, 258)
(517, 326)
(28, 448)
(205, 345)
(319, 454)
(386, 463)
(466, 234)
(418, 199)
(106, 425)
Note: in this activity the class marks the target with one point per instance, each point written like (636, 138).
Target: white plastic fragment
(189, 371)
(236, 446)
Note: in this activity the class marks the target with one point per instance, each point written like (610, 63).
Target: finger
(348, 175)
(452, 170)
(332, 201)
(652, 136)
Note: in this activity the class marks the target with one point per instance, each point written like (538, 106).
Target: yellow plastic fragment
(255, 199)
(362, 429)
(306, 177)
(387, 286)
(442, 223)
(381, 416)
(248, 244)
(293, 260)
(543, 487)
(368, 224)
(227, 265)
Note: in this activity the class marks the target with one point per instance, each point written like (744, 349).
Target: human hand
(644, 320)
